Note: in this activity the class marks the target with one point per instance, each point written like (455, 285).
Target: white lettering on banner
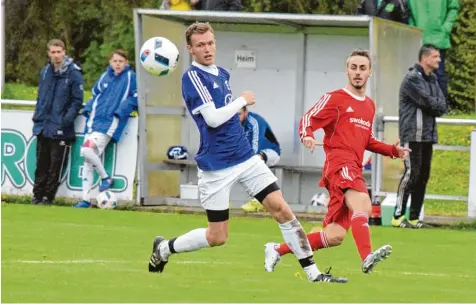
(19, 158)
(245, 59)
(360, 121)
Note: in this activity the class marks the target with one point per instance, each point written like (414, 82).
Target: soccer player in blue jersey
(225, 157)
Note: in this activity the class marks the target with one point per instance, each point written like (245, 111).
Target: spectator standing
(421, 101)
(436, 18)
(395, 10)
(218, 5)
(60, 97)
(107, 113)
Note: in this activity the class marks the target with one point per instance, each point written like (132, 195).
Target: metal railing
(377, 180)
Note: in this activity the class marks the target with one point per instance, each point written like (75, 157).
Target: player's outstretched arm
(393, 151)
(216, 117)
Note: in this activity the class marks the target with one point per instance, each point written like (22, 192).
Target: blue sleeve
(88, 107)
(77, 96)
(130, 104)
(195, 91)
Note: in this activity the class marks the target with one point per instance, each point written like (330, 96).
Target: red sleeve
(317, 117)
(376, 146)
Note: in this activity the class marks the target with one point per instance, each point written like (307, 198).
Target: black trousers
(51, 160)
(414, 179)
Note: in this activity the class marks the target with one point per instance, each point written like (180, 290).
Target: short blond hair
(55, 42)
(359, 52)
(197, 28)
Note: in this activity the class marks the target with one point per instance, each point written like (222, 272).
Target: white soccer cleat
(376, 257)
(271, 256)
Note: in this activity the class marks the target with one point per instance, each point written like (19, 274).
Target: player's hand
(310, 143)
(402, 151)
(249, 97)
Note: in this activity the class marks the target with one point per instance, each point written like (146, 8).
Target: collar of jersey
(360, 98)
(212, 69)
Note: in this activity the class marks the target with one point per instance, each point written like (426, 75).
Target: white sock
(93, 158)
(88, 177)
(296, 239)
(190, 241)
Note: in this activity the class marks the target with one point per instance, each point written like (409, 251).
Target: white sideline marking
(408, 273)
(103, 262)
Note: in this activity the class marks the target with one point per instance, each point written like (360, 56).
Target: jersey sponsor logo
(360, 122)
(228, 99)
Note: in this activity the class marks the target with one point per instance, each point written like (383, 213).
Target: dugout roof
(297, 21)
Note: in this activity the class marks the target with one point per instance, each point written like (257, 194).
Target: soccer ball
(107, 200)
(320, 199)
(159, 56)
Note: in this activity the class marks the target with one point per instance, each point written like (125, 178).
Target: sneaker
(328, 278)
(82, 204)
(252, 206)
(271, 256)
(45, 201)
(401, 222)
(376, 257)
(157, 262)
(106, 183)
(417, 224)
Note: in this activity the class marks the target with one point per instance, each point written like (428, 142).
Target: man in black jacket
(219, 5)
(421, 101)
(60, 97)
(395, 10)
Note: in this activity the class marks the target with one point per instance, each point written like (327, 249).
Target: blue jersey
(226, 145)
(259, 134)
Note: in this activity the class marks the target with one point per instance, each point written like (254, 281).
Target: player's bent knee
(217, 232)
(216, 238)
(277, 207)
(335, 234)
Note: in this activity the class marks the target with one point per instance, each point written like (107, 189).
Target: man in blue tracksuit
(260, 136)
(114, 99)
(60, 96)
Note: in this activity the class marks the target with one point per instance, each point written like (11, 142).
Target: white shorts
(273, 157)
(214, 186)
(101, 140)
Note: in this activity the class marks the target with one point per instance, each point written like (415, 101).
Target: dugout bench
(298, 198)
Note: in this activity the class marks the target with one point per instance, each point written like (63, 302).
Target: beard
(357, 86)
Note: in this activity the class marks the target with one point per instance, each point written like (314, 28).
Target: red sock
(361, 234)
(317, 240)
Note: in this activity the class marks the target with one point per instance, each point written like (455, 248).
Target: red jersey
(347, 121)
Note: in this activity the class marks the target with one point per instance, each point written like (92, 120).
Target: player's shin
(190, 241)
(296, 239)
(361, 234)
(317, 240)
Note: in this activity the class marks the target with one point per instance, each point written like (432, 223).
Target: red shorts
(348, 177)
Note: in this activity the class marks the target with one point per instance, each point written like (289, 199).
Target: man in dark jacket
(421, 101)
(60, 97)
(395, 10)
(219, 5)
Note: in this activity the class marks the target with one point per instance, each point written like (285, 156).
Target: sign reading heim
(19, 158)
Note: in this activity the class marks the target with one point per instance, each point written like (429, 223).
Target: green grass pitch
(60, 254)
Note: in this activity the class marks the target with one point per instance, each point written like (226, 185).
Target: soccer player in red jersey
(346, 116)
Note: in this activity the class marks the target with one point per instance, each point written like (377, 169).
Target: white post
(2, 46)
(472, 177)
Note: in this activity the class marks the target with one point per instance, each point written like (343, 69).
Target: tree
(461, 60)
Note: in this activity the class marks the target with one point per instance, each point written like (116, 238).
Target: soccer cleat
(376, 257)
(156, 263)
(271, 256)
(82, 204)
(106, 183)
(417, 224)
(328, 278)
(401, 222)
(252, 206)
